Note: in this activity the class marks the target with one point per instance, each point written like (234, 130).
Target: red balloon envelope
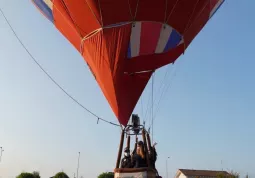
(125, 41)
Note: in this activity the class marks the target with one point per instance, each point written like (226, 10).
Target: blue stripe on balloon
(45, 9)
(129, 51)
(173, 40)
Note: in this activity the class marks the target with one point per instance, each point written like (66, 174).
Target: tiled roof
(208, 173)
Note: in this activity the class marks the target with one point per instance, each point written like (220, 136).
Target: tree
(221, 175)
(25, 175)
(36, 174)
(106, 175)
(61, 175)
(234, 174)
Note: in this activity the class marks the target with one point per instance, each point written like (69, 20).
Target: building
(191, 173)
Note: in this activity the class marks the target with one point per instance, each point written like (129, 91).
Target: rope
(191, 16)
(171, 11)
(165, 19)
(99, 5)
(148, 106)
(162, 93)
(165, 86)
(161, 85)
(141, 105)
(162, 81)
(94, 14)
(136, 9)
(152, 87)
(32, 57)
(174, 71)
(198, 16)
(165, 90)
(70, 16)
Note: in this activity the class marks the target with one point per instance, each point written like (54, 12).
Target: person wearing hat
(138, 158)
(126, 161)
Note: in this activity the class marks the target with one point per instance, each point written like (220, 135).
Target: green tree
(25, 175)
(234, 174)
(221, 175)
(36, 174)
(61, 175)
(106, 175)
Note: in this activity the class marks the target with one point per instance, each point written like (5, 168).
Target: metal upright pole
(1, 151)
(78, 165)
(167, 167)
(120, 149)
(166, 170)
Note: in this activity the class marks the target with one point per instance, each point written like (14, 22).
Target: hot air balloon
(125, 41)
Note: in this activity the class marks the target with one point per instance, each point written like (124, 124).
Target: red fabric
(197, 25)
(213, 4)
(106, 51)
(64, 24)
(153, 62)
(150, 33)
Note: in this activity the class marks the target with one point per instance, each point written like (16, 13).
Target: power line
(32, 57)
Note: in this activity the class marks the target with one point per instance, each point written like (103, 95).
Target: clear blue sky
(206, 116)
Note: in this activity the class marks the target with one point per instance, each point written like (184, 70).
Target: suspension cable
(152, 98)
(48, 75)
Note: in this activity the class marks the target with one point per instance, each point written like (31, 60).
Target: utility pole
(78, 165)
(167, 167)
(1, 152)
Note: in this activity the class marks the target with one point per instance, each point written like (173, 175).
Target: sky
(205, 121)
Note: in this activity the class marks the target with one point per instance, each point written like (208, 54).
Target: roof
(208, 173)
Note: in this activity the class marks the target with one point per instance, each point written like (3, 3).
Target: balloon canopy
(125, 41)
